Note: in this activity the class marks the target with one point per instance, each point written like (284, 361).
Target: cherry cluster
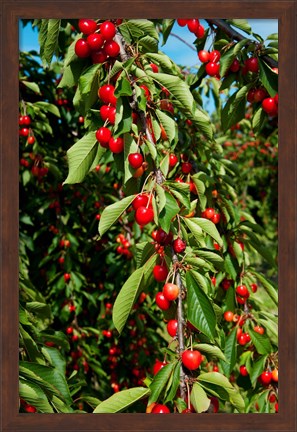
(212, 215)
(98, 43)
(193, 25)
(123, 248)
(25, 131)
(211, 59)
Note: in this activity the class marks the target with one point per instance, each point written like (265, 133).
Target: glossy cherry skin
(182, 22)
(228, 316)
(191, 359)
(154, 67)
(212, 68)
(158, 365)
(242, 291)
(200, 32)
(95, 41)
(135, 160)
(160, 409)
(140, 200)
(82, 49)
(214, 56)
(209, 213)
(179, 245)
(186, 167)
(193, 25)
(162, 302)
(98, 56)
(108, 30)
(252, 64)
(112, 48)
(170, 291)
(235, 66)
(203, 56)
(103, 136)
(266, 377)
(172, 327)
(87, 26)
(216, 218)
(269, 105)
(243, 370)
(163, 238)
(160, 272)
(106, 94)
(116, 145)
(144, 215)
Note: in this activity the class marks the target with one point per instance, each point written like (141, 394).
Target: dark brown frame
(285, 12)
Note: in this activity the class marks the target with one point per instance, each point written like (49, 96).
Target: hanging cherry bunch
(25, 131)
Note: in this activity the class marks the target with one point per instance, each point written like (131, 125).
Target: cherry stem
(145, 181)
(188, 392)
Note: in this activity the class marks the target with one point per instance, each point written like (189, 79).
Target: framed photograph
(148, 197)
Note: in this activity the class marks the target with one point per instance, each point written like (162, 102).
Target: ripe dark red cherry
(67, 277)
(228, 316)
(147, 93)
(160, 409)
(82, 49)
(266, 377)
(26, 120)
(140, 200)
(172, 327)
(170, 291)
(209, 213)
(154, 67)
(259, 329)
(214, 56)
(98, 56)
(95, 41)
(193, 25)
(235, 66)
(203, 56)
(216, 218)
(242, 291)
(186, 167)
(158, 365)
(191, 359)
(200, 32)
(269, 105)
(103, 136)
(162, 302)
(182, 22)
(251, 95)
(87, 26)
(254, 287)
(106, 94)
(116, 145)
(212, 68)
(30, 409)
(173, 159)
(160, 272)
(243, 370)
(31, 140)
(162, 237)
(108, 30)
(252, 64)
(105, 112)
(135, 160)
(144, 215)
(260, 94)
(112, 48)
(179, 245)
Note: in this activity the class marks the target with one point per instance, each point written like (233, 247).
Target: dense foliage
(170, 305)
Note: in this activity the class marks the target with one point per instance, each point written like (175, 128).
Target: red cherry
(269, 105)
(172, 327)
(216, 218)
(242, 291)
(203, 56)
(154, 67)
(251, 95)
(135, 160)
(254, 287)
(144, 215)
(95, 41)
(146, 91)
(158, 365)
(209, 213)
(67, 277)
(266, 377)
(259, 329)
(215, 403)
(193, 25)
(31, 140)
(274, 375)
(87, 26)
(200, 32)
(105, 112)
(260, 94)
(235, 66)
(116, 145)
(228, 316)
(162, 302)
(69, 330)
(26, 120)
(108, 30)
(106, 94)
(140, 200)
(103, 136)
(98, 56)
(160, 409)
(112, 48)
(187, 411)
(24, 132)
(240, 300)
(226, 283)
(272, 398)
(186, 167)
(243, 370)
(182, 22)
(252, 64)
(160, 272)
(173, 159)
(212, 68)
(170, 291)
(242, 339)
(82, 49)
(30, 409)
(179, 245)
(162, 237)
(214, 56)
(191, 359)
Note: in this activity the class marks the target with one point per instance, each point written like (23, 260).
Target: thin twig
(182, 40)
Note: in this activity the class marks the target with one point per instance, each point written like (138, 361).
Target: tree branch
(229, 31)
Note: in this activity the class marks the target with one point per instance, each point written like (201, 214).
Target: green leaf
(55, 358)
(70, 55)
(167, 25)
(123, 87)
(31, 346)
(268, 78)
(195, 229)
(199, 398)
(159, 382)
(226, 61)
(168, 123)
(213, 257)
(242, 24)
(149, 44)
(32, 86)
(161, 197)
(118, 402)
(164, 165)
(168, 213)
(48, 39)
(41, 309)
(175, 383)
(88, 79)
(270, 289)
(48, 107)
(210, 349)
(126, 299)
(258, 120)
(142, 27)
(208, 227)
(230, 352)
(72, 73)
(258, 368)
(152, 149)
(200, 311)
(123, 117)
(262, 250)
(80, 158)
(111, 213)
(230, 267)
(35, 396)
(130, 146)
(202, 121)
(261, 342)
(144, 251)
(234, 109)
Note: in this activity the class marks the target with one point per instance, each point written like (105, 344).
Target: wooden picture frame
(285, 12)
